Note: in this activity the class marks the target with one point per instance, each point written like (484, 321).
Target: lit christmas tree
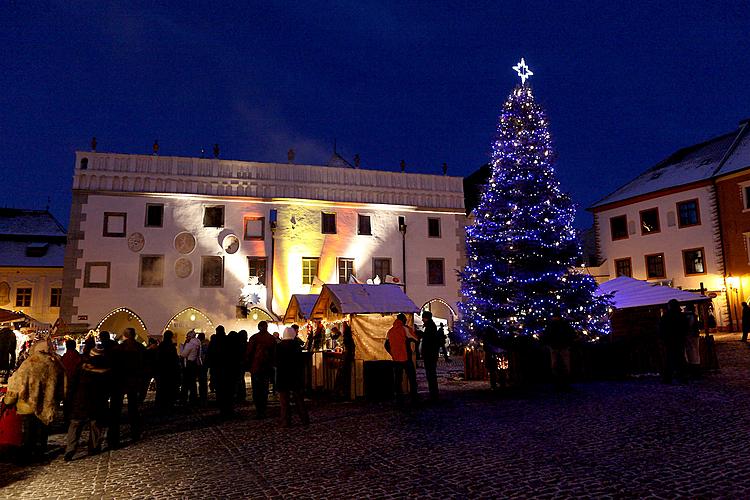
(522, 247)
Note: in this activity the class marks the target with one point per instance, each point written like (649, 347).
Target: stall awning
(300, 307)
(629, 292)
(354, 298)
(7, 316)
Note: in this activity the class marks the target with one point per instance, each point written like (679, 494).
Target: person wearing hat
(290, 373)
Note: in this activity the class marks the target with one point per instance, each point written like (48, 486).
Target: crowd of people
(94, 384)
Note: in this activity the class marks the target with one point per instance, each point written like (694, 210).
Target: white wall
(41, 280)
(293, 241)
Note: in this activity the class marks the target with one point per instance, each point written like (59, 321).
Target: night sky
(624, 83)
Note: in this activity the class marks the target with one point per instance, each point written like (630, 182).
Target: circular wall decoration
(136, 242)
(184, 242)
(230, 244)
(183, 267)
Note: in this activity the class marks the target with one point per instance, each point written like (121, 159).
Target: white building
(663, 226)
(167, 242)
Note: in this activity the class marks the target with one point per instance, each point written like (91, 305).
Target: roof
(629, 292)
(300, 307)
(338, 161)
(31, 254)
(20, 222)
(740, 157)
(357, 298)
(686, 166)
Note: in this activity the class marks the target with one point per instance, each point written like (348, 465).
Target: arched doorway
(118, 319)
(442, 312)
(189, 319)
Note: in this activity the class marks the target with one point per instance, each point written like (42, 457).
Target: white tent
(629, 292)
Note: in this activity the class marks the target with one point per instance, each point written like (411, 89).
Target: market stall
(636, 310)
(370, 311)
(299, 309)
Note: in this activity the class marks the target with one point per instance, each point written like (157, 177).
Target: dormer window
(37, 249)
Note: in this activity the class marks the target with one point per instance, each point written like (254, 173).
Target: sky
(624, 83)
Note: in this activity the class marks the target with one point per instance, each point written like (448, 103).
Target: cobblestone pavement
(635, 438)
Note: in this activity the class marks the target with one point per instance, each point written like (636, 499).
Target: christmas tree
(522, 246)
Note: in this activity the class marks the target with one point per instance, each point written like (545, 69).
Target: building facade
(179, 243)
(32, 248)
(681, 223)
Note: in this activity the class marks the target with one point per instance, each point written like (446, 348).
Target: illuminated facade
(154, 237)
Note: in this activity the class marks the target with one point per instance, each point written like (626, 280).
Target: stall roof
(355, 298)
(629, 292)
(300, 306)
(6, 316)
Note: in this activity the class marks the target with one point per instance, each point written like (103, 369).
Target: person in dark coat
(290, 372)
(89, 393)
(150, 362)
(223, 375)
(559, 336)
(203, 371)
(261, 350)
(431, 344)
(673, 330)
(344, 378)
(127, 380)
(7, 353)
(745, 321)
(239, 366)
(167, 372)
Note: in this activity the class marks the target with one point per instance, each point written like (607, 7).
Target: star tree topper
(523, 71)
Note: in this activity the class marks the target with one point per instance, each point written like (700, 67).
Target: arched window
(84, 163)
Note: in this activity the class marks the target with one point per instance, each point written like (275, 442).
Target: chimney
(445, 168)
(356, 160)
(290, 156)
(216, 150)
(403, 166)
(93, 144)
(156, 147)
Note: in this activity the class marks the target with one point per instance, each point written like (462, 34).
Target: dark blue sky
(624, 83)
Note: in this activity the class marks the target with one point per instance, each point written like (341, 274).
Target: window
(23, 297)
(309, 269)
(152, 271)
(255, 228)
(154, 215)
(328, 223)
(433, 227)
(212, 272)
(655, 266)
(96, 275)
(115, 224)
(213, 216)
(650, 221)
(435, 272)
(688, 213)
(346, 269)
(256, 267)
(619, 227)
(623, 267)
(746, 192)
(381, 267)
(55, 296)
(84, 163)
(694, 261)
(363, 225)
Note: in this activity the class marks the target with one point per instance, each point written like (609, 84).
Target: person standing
(290, 372)
(398, 341)
(692, 342)
(36, 389)
(239, 366)
(70, 360)
(127, 380)
(261, 350)
(220, 354)
(150, 362)
(167, 372)
(89, 392)
(431, 344)
(191, 354)
(7, 353)
(344, 378)
(745, 321)
(559, 336)
(203, 371)
(673, 329)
